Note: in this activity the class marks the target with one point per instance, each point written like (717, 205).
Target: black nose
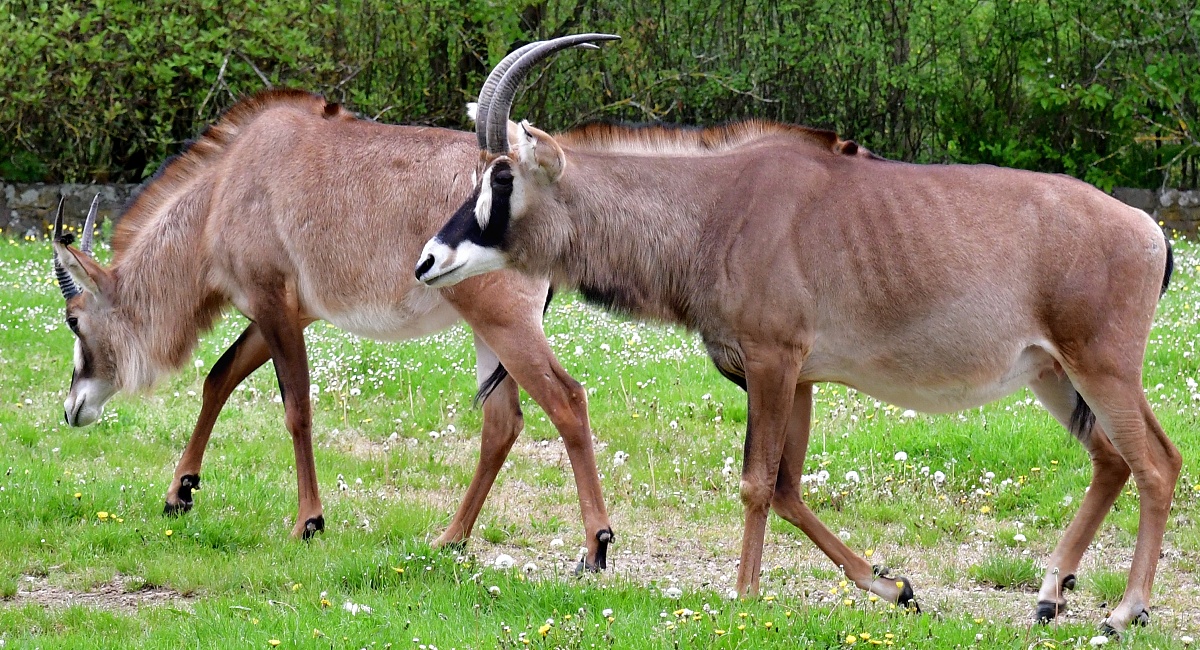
(424, 266)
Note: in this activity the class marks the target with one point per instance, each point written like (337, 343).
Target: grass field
(87, 559)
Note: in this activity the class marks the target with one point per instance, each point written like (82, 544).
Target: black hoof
(1142, 619)
(176, 509)
(458, 547)
(1047, 611)
(313, 526)
(1068, 582)
(907, 599)
(879, 571)
(1109, 631)
(187, 483)
(605, 537)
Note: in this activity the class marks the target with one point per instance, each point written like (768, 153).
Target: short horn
(65, 283)
(89, 225)
(496, 123)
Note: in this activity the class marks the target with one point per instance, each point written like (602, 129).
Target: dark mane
(207, 147)
(672, 138)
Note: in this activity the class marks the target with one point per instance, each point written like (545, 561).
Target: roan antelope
(801, 258)
(292, 210)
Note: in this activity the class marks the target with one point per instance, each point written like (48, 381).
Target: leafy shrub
(1104, 90)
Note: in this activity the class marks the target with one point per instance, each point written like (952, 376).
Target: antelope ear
(538, 152)
(88, 275)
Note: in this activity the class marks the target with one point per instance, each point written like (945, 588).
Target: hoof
(187, 483)
(1109, 631)
(1142, 619)
(1068, 582)
(1047, 611)
(176, 509)
(907, 599)
(458, 545)
(605, 537)
(313, 526)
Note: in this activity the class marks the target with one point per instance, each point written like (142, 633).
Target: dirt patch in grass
(122, 594)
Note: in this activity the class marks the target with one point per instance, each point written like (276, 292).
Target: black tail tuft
(1169, 269)
(1082, 419)
(490, 385)
(493, 381)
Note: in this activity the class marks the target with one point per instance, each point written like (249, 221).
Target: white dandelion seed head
(900, 457)
(557, 542)
(939, 477)
(504, 561)
(852, 476)
(674, 593)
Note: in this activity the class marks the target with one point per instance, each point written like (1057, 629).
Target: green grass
(228, 575)
(1007, 572)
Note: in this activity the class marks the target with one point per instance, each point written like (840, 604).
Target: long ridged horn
(89, 226)
(65, 283)
(489, 87)
(496, 123)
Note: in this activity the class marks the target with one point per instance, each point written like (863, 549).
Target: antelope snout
(424, 266)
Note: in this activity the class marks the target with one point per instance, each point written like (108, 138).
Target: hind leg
(1123, 412)
(1109, 474)
(502, 423)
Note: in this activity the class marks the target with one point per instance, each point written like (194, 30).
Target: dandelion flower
(544, 630)
(80, 494)
(851, 639)
(168, 532)
(102, 515)
(273, 642)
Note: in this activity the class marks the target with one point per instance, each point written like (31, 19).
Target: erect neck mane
(667, 139)
(164, 294)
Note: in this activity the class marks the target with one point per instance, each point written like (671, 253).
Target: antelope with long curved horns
(292, 210)
(802, 258)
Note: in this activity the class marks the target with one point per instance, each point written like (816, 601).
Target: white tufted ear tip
(472, 110)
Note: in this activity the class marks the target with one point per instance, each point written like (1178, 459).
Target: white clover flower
(355, 608)
(852, 476)
(674, 593)
(504, 561)
(900, 457)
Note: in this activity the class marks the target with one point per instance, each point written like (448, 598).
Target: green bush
(1105, 90)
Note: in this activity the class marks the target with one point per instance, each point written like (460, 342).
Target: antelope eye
(73, 323)
(502, 177)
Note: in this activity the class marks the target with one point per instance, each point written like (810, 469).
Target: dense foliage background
(1106, 90)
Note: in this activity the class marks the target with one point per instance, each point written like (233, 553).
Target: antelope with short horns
(802, 258)
(292, 210)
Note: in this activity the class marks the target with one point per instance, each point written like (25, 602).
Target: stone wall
(28, 209)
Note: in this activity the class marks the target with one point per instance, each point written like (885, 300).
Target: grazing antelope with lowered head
(801, 258)
(292, 210)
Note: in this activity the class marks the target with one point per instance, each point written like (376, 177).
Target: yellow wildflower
(102, 515)
(168, 532)
(544, 630)
(273, 642)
